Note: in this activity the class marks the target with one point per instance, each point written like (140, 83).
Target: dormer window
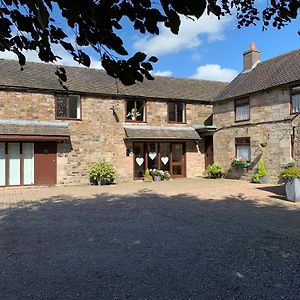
(68, 107)
(295, 100)
(135, 111)
(242, 110)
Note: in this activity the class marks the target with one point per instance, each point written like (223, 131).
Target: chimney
(251, 58)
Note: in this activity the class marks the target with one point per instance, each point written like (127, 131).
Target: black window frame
(175, 103)
(239, 103)
(67, 98)
(144, 106)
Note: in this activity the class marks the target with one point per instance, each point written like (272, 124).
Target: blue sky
(205, 49)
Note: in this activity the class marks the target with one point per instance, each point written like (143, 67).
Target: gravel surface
(155, 242)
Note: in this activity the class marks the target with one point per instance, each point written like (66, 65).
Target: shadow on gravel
(149, 246)
(277, 190)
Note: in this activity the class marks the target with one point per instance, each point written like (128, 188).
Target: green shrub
(289, 174)
(215, 171)
(291, 164)
(102, 171)
(255, 178)
(262, 171)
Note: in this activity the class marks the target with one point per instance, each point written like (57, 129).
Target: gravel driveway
(185, 239)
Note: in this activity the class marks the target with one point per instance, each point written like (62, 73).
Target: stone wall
(100, 133)
(270, 121)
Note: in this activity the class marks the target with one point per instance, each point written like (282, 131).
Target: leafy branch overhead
(96, 24)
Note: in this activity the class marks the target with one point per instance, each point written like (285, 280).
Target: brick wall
(100, 133)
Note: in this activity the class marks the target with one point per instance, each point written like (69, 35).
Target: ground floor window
(242, 148)
(164, 156)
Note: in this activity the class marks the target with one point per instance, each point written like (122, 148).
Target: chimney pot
(251, 57)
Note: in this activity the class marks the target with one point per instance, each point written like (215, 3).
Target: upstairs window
(68, 107)
(242, 110)
(176, 112)
(135, 110)
(295, 100)
(243, 149)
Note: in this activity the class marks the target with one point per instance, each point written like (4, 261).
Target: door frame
(145, 150)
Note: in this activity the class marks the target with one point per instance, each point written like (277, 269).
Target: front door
(164, 156)
(209, 150)
(45, 163)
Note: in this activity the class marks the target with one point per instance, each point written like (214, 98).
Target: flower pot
(241, 165)
(156, 178)
(292, 189)
(263, 179)
(103, 181)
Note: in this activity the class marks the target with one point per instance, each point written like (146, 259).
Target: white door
(28, 163)
(2, 164)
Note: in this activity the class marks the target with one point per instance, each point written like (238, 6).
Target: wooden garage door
(45, 163)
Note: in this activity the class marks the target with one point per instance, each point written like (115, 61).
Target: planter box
(292, 189)
(263, 179)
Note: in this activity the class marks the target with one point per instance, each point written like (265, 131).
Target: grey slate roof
(84, 80)
(283, 69)
(34, 128)
(144, 132)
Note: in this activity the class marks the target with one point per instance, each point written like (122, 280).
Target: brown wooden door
(45, 163)
(209, 150)
(178, 160)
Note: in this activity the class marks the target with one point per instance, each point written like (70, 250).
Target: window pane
(242, 113)
(2, 163)
(140, 107)
(74, 107)
(152, 149)
(14, 163)
(130, 108)
(172, 112)
(180, 112)
(296, 103)
(28, 163)
(61, 107)
(243, 151)
(139, 160)
(165, 156)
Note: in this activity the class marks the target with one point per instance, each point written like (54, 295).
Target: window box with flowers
(239, 162)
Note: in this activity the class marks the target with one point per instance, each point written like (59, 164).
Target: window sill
(67, 119)
(135, 121)
(173, 122)
(239, 121)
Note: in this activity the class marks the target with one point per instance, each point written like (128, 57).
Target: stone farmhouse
(257, 114)
(49, 135)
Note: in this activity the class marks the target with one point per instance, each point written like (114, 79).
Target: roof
(34, 128)
(85, 80)
(281, 70)
(143, 132)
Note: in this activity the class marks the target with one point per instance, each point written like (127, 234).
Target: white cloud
(191, 35)
(215, 72)
(66, 58)
(165, 73)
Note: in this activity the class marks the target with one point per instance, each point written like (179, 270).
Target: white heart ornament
(152, 155)
(165, 160)
(139, 161)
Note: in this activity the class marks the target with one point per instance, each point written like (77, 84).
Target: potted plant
(262, 172)
(291, 178)
(147, 176)
(239, 162)
(215, 171)
(166, 176)
(102, 173)
(133, 114)
(157, 174)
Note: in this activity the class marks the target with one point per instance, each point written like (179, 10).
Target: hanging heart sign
(152, 155)
(139, 161)
(165, 160)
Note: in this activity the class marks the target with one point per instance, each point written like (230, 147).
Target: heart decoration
(139, 161)
(152, 155)
(165, 160)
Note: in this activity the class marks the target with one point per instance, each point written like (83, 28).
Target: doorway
(164, 156)
(209, 150)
